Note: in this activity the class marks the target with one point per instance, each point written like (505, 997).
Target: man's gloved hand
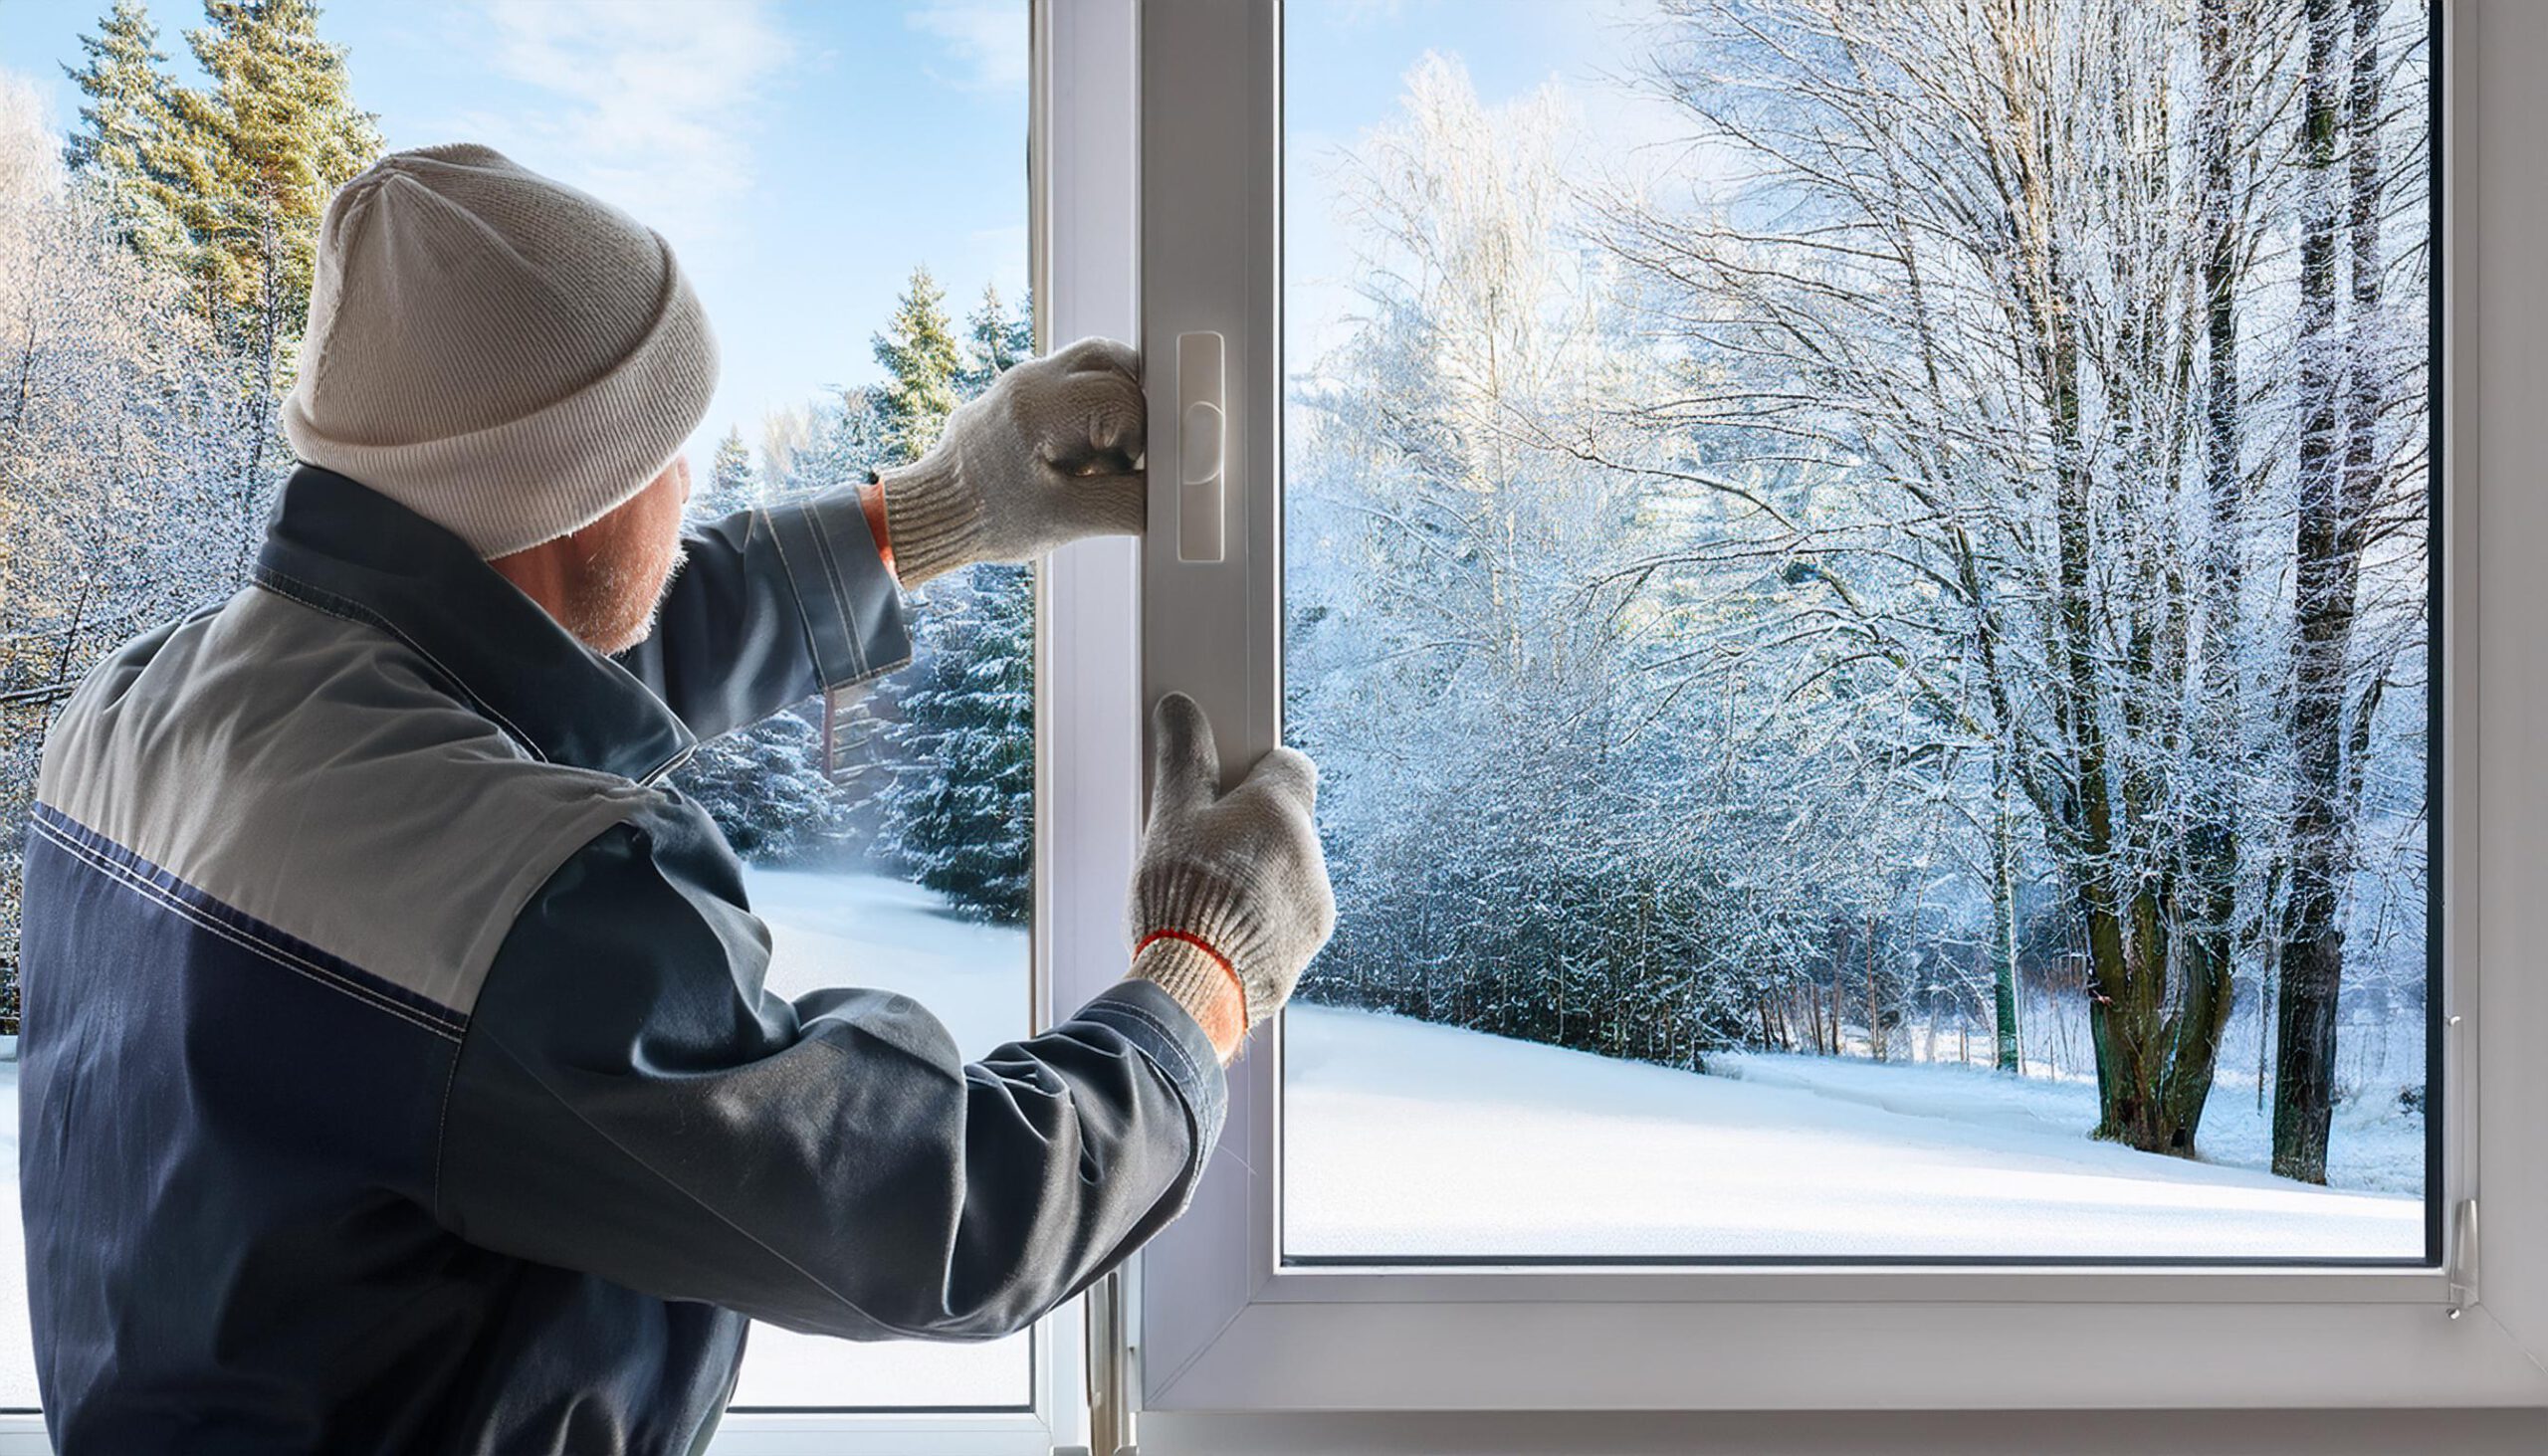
(1229, 887)
(1050, 454)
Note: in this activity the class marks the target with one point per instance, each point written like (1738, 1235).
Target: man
(397, 1074)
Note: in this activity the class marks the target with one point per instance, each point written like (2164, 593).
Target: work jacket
(397, 1074)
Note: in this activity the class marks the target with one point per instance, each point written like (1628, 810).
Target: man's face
(615, 572)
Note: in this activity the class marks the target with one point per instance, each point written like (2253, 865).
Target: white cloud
(654, 101)
(1361, 14)
(986, 39)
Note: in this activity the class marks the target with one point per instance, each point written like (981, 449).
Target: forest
(1936, 556)
(154, 272)
(1943, 545)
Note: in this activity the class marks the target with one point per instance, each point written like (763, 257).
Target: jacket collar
(351, 552)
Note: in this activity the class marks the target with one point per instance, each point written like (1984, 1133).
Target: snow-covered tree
(958, 801)
(1987, 297)
(767, 784)
(128, 129)
(767, 789)
(923, 361)
(732, 483)
(117, 437)
(963, 810)
(1845, 578)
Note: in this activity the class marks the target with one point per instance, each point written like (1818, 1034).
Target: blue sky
(803, 154)
(801, 157)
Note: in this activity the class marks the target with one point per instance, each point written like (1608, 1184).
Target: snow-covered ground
(17, 1341)
(1412, 1139)
(1409, 1139)
(829, 930)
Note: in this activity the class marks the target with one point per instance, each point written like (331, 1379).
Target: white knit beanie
(500, 353)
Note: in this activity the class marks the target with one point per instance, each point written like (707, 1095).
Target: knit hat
(500, 353)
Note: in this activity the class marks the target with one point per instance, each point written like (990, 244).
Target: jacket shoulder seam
(180, 898)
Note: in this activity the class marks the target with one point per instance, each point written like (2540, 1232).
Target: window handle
(1202, 446)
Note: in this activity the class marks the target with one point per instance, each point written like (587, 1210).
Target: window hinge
(2462, 1270)
(1111, 1368)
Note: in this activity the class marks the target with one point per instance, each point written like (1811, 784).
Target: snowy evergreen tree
(962, 813)
(732, 483)
(766, 784)
(127, 127)
(959, 807)
(920, 351)
(999, 339)
(765, 787)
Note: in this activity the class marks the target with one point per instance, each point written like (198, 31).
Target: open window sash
(1225, 1325)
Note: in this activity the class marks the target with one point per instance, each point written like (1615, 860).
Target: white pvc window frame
(1226, 1327)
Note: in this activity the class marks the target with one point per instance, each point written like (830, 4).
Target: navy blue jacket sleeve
(630, 1103)
(772, 607)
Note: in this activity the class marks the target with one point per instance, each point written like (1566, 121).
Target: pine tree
(732, 483)
(962, 813)
(765, 783)
(1000, 341)
(259, 154)
(959, 809)
(918, 349)
(127, 128)
(765, 787)
(265, 148)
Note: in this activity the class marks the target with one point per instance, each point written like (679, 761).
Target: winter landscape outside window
(1859, 578)
(150, 340)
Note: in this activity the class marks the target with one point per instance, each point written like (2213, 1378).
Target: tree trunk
(1875, 1022)
(2004, 926)
(2209, 947)
(2327, 558)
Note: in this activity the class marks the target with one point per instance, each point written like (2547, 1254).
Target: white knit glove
(1230, 885)
(1048, 454)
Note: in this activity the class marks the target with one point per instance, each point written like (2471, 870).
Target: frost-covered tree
(1983, 306)
(116, 426)
(767, 789)
(227, 183)
(1843, 578)
(1460, 661)
(998, 340)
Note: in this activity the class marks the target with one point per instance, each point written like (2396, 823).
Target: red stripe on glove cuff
(1211, 952)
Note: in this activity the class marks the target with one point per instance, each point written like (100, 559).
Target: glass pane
(858, 289)
(1858, 578)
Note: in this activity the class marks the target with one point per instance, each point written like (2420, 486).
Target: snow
(1403, 1137)
(861, 930)
(17, 1339)
(832, 929)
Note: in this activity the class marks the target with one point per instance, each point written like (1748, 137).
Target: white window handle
(1203, 430)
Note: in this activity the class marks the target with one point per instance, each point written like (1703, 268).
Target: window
(1467, 1174)
(1824, 752)
(1757, 609)
(734, 131)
